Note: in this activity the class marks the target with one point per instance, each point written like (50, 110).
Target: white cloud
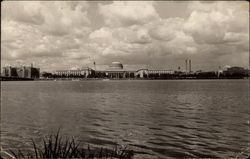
(166, 29)
(34, 30)
(103, 33)
(55, 18)
(26, 12)
(132, 32)
(210, 22)
(126, 13)
(62, 18)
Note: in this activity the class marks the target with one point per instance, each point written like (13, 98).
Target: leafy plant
(56, 147)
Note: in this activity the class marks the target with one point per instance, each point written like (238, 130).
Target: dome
(116, 65)
(226, 67)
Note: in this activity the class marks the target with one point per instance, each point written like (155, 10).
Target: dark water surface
(157, 119)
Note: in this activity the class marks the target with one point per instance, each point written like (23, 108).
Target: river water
(156, 119)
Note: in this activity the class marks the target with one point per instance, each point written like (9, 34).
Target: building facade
(28, 72)
(236, 72)
(21, 72)
(84, 73)
(145, 73)
(115, 70)
(9, 71)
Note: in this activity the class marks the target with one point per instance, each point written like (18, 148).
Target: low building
(145, 73)
(235, 72)
(84, 73)
(116, 70)
(142, 73)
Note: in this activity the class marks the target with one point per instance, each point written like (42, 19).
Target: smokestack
(189, 66)
(31, 65)
(186, 65)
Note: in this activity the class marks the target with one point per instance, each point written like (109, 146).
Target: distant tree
(47, 75)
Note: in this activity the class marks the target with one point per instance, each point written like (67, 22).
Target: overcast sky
(62, 35)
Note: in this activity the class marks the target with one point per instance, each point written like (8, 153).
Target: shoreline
(126, 79)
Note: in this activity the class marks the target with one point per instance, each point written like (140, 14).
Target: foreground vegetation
(57, 147)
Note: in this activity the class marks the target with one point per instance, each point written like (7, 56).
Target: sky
(57, 35)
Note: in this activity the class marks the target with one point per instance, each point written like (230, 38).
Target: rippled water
(157, 119)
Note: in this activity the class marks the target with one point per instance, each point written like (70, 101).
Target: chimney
(31, 65)
(94, 66)
(186, 65)
(189, 66)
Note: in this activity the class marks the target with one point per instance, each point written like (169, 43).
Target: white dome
(116, 65)
(73, 68)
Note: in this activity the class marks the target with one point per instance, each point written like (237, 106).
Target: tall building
(21, 72)
(9, 71)
(28, 72)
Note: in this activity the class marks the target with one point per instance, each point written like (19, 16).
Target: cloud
(65, 34)
(34, 30)
(126, 13)
(215, 22)
(133, 34)
(55, 18)
(102, 35)
(62, 18)
(26, 12)
(166, 29)
(235, 37)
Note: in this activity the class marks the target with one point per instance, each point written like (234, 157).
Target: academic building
(114, 70)
(83, 73)
(21, 72)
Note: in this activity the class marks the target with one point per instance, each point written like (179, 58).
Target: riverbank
(107, 79)
(15, 79)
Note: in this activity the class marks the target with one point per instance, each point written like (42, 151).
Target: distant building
(116, 66)
(21, 72)
(144, 73)
(84, 72)
(116, 70)
(235, 71)
(28, 72)
(219, 72)
(9, 71)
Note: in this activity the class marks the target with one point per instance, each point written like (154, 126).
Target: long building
(114, 70)
(144, 73)
(84, 73)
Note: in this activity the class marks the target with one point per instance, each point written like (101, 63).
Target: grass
(57, 147)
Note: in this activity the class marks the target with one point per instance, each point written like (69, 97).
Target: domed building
(116, 66)
(115, 70)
